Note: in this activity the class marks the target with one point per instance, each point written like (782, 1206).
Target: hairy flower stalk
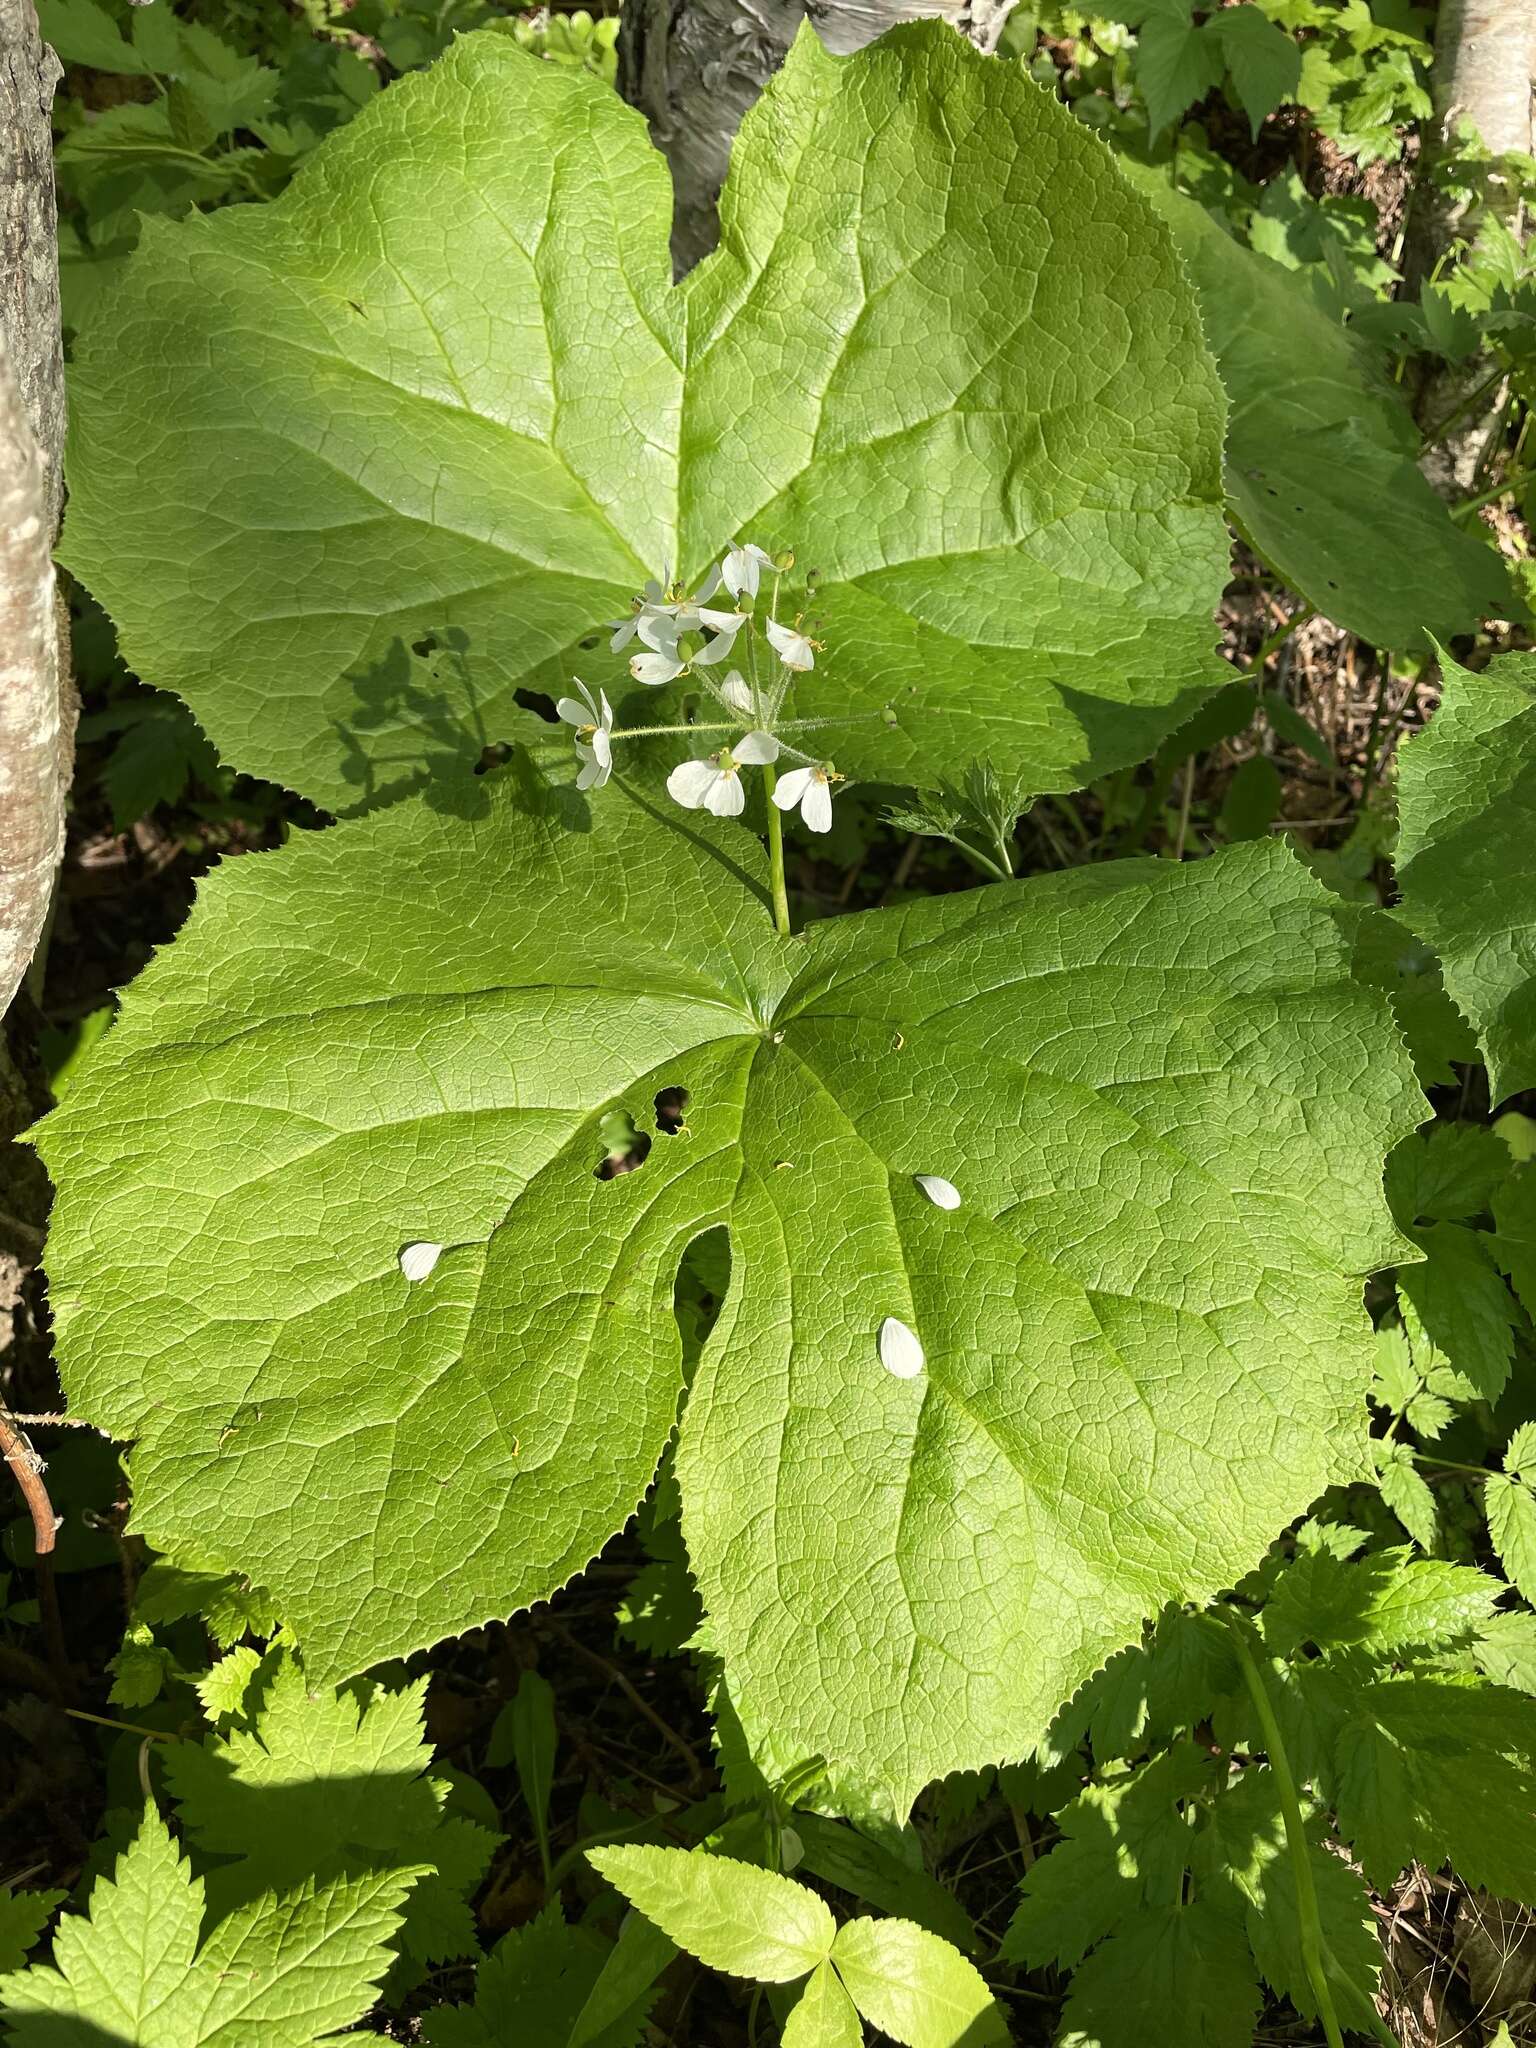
(683, 634)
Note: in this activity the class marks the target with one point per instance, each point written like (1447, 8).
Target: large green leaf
(1321, 469)
(1162, 1098)
(398, 443)
(1466, 855)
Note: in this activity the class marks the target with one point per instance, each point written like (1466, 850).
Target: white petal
(792, 647)
(900, 1351)
(942, 1193)
(816, 805)
(654, 591)
(596, 771)
(754, 748)
(606, 720)
(737, 692)
(655, 668)
(624, 630)
(789, 788)
(602, 748)
(659, 630)
(717, 650)
(690, 783)
(573, 712)
(724, 622)
(727, 798)
(418, 1259)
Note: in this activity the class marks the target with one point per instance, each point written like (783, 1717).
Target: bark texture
(36, 698)
(1485, 65)
(693, 67)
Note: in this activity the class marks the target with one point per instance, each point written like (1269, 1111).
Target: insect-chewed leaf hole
(539, 703)
(671, 1110)
(624, 1147)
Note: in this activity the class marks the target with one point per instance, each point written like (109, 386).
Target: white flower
(811, 789)
(417, 1260)
(657, 668)
(646, 607)
(742, 569)
(942, 1193)
(737, 692)
(593, 720)
(715, 785)
(791, 645)
(901, 1349)
(659, 619)
(588, 713)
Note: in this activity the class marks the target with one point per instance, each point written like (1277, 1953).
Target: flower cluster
(683, 633)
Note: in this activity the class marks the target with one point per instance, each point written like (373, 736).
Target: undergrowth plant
(968, 1296)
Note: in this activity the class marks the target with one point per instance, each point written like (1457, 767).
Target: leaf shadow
(60, 2030)
(424, 692)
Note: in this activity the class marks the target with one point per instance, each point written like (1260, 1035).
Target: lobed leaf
(398, 443)
(1161, 1095)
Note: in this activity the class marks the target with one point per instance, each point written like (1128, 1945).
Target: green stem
(776, 855)
(981, 860)
(1503, 490)
(1308, 1918)
(1473, 398)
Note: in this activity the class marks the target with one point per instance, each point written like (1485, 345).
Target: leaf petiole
(1309, 1920)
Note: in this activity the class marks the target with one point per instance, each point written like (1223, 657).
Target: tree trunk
(693, 67)
(1485, 64)
(36, 698)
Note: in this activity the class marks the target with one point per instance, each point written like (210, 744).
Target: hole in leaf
(671, 1110)
(703, 1276)
(624, 1148)
(428, 644)
(588, 645)
(540, 705)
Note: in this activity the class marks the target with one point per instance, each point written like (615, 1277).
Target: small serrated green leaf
(530, 1990)
(915, 1987)
(1172, 1973)
(330, 1781)
(83, 32)
(281, 1971)
(1463, 1303)
(23, 1916)
(1385, 1602)
(1426, 1769)
(1264, 61)
(1406, 1493)
(1505, 1650)
(732, 1916)
(1123, 1846)
(225, 1690)
(1511, 1514)
(823, 2016)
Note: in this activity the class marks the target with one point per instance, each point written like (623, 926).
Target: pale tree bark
(36, 698)
(1484, 69)
(693, 67)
